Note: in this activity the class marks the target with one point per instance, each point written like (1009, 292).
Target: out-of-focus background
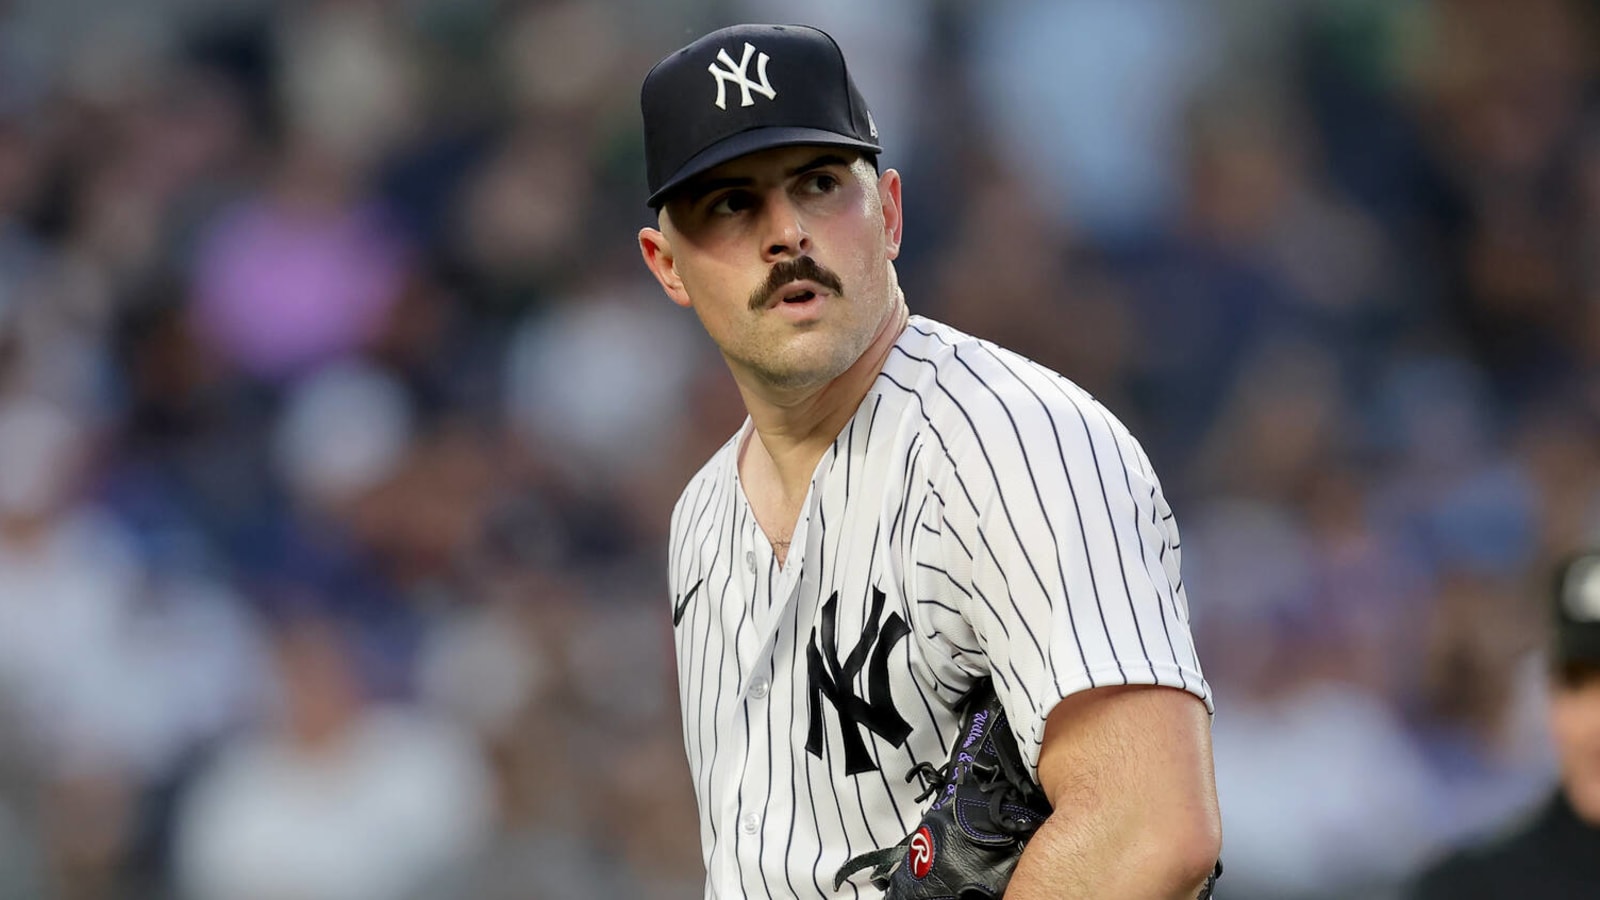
(340, 423)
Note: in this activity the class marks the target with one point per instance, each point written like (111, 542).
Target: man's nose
(786, 235)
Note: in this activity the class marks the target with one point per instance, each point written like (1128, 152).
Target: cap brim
(737, 145)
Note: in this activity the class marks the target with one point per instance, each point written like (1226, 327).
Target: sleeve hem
(1183, 678)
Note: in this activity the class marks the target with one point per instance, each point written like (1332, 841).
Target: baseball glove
(985, 808)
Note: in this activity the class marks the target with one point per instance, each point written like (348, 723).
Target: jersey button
(759, 689)
(750, 823)
(750, 560)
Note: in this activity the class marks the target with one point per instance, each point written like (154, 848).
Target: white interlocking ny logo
(736, 74)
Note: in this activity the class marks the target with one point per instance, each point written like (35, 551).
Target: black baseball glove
(985, 808)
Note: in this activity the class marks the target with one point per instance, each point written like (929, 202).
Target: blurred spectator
(76, 602)
(338, 798)
(1553, 851)
(1089, 96)
(342, 432)
(1321, 792)
(596, 382)
(118, 673)
(290, 281)
(347, 79)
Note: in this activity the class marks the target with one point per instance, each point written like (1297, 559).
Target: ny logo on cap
(736, 74)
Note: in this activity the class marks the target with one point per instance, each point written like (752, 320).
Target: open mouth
(796, 283)
(796, 292)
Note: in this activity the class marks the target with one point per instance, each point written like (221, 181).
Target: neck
(796, 427)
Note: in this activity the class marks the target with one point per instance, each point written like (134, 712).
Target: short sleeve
(1058, 553)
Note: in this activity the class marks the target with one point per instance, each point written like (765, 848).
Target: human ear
(893, 213)
(657, 253)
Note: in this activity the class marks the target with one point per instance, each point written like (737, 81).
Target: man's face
(785, 256)
(1575, 721)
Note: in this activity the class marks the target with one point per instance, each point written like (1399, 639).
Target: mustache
(802, 268)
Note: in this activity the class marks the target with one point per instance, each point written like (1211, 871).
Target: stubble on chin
(798, 361)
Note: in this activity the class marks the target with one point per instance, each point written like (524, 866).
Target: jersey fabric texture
(980, 515)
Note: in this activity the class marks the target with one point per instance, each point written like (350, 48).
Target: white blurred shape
(39, 442)
(481, 667)
(197, 667)
(65, 597)
(1321, 793)
(348, 78)
(343, 431)
(399, 798)
(1088, 97)
(603, 378)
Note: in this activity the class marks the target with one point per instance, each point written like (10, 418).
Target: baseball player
(1553, 851)
(908, 513)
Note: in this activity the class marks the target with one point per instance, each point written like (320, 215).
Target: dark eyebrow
(821, 162)
(695, 190)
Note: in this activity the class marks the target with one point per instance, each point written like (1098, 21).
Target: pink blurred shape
(279, 290)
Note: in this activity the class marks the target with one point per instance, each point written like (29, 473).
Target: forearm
(1087, 858)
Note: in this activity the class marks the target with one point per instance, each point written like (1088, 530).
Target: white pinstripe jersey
(978, 515)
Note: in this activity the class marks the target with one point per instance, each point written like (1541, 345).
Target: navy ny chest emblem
(832, 678)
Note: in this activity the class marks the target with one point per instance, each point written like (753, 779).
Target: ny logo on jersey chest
(831, 678)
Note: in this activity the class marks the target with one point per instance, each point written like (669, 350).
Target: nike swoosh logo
(677, 611)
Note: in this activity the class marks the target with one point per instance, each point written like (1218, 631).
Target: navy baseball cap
(746, 88)
(1577, 610)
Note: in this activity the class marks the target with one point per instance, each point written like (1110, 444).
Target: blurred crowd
(340, 423)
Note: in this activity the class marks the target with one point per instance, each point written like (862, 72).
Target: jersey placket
(773, 592)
